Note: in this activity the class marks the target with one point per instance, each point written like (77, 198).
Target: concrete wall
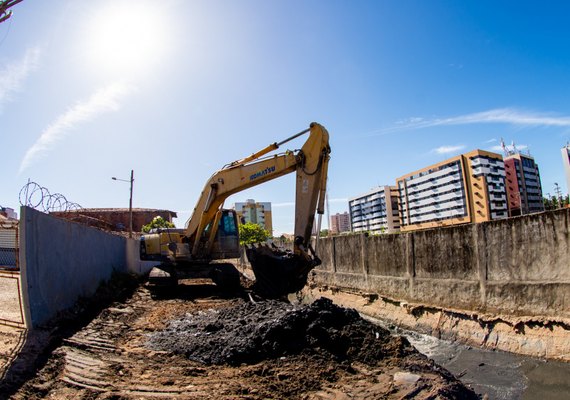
(517, 267)
(61, 261)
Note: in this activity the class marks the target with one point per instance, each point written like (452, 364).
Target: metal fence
(11, 312)
(9, 246)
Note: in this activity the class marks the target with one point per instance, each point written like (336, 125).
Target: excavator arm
(277, 272)
(310, 164)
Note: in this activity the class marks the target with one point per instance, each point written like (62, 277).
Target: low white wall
(134, 264)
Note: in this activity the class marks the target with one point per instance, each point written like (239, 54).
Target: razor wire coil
(38, 197)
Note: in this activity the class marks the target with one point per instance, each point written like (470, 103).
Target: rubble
(251, 332)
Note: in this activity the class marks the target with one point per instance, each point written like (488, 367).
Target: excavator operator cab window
(226, 244)
(228, 226)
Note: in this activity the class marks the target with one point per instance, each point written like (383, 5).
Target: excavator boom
(277, 272)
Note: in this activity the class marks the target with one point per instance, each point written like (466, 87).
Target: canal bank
(500, 375)
(496, 374)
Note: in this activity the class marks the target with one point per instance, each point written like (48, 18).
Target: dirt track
(110, 358)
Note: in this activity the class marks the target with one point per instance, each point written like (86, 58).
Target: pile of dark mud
(251, 332)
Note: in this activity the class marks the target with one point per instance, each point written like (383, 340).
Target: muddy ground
(202, 344)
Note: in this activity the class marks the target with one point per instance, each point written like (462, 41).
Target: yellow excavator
(211, 233)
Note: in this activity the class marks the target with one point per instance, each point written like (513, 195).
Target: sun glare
(126, 37)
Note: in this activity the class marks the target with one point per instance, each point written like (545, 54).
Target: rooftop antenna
(506, 151)
(515, 150)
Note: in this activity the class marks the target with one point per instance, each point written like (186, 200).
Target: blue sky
(176, 89)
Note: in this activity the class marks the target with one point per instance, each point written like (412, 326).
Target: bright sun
(126, 37)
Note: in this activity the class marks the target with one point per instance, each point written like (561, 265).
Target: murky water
(500, 375)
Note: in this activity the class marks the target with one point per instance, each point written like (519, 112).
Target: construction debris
(252, 332)
(219, 348)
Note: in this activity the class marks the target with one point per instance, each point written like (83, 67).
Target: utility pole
(130, 201)
(5, 13)
(131, 206)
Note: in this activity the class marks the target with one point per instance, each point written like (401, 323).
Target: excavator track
(163, 279)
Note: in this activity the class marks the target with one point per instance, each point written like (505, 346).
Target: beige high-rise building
(255, 212)
(340, 223)
(464, 189)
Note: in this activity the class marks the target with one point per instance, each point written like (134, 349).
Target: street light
(130, 201)
(558, 194)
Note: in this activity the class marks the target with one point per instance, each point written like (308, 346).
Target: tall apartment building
(463, 189)
(523, 184)
(340, 223)
(566, 162)
(375, 211)
(255, 212)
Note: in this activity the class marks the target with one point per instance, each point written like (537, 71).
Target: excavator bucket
(278, 272)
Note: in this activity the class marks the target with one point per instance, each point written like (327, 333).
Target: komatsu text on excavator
(211, 233)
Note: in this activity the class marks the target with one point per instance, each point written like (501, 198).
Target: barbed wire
(38, 197)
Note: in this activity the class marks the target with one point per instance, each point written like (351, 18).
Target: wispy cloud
(491, 140)
(448, 149)
(510, 116)
(292, 203)
(286, 204)
(107, 99)
(13, 75)
(338, 200)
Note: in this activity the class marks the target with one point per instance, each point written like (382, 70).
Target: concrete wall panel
(386, 255)
(62, 261)
(325, 251)
(393, 287)
(348, 253)
(530, 248)
(445, 253)
(344, 280)
(529, 299)
(447, 293)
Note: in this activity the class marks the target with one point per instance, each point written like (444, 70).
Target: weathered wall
(61, 261)
(518, 267)
(499, 285)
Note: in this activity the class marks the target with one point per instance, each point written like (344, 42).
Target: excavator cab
(170, 244)
(226, 244)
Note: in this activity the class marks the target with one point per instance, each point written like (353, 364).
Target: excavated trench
(202, 344)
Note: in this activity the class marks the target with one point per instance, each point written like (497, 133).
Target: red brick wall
(115, 220)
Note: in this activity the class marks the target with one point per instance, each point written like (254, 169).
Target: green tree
(157, 222)
(251, 233)
(547, 203)
(324, 233)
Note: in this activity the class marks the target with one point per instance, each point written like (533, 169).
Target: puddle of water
(500, 375)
